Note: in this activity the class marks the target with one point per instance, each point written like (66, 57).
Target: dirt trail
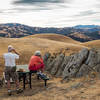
(75, 89)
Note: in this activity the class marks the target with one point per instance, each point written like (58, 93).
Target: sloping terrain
(55, 37)
(93, 44)
(86, 88)
(27, 46)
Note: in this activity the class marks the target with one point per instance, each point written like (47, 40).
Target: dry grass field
(93, 44)
(45, 43)
(55, 37)
(76, 89)
(56, 90)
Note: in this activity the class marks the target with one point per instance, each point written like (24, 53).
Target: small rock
(77, 85)
(81, 92)
(83, 97)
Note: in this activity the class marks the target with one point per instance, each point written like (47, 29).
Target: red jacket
(35, 63)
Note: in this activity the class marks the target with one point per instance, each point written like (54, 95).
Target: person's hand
(13, 49)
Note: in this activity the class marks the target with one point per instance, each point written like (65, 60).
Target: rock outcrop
(76, 65)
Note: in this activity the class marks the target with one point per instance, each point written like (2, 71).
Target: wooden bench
(39, 76)
(28, 74)
(43, 77)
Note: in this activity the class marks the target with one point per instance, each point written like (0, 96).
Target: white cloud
(51, 15)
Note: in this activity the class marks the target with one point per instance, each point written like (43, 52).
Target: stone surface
(92, 59)
(56, 66)
(83, 71)
(97, 68)
(63, 65)
(75, 65)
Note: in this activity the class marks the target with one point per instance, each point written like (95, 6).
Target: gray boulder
(92, 59)
(83, 71)
(57, 64)
(97, 68)
(75, 63)
(63, 65)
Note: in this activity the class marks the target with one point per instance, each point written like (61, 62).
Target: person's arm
(15, 52)
(42, 69)
(40, 61)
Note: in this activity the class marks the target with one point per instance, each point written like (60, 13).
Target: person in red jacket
(36, 62)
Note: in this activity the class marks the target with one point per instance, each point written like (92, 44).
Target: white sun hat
(10, 47)
(37, 53)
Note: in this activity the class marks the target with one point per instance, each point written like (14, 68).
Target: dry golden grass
(55, 37)
(90, 90)
(93, 44)
(56, 90)
(28, 45)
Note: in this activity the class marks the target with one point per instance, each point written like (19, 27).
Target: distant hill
(86, 26)
(15, 30)
(80, 37)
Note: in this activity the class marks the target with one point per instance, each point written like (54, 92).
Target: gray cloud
(37, 1)
(97, 5)
(21, 10)
(86, 13)
(1, 12)
(89, 12)
(39, 5)
(30, 9)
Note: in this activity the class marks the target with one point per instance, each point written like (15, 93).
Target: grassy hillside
(76, 89)
(52, 43)
(55, 37)
(28, 45)
(93, 44)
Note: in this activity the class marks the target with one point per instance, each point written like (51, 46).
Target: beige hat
(37, 53)
(10, 47)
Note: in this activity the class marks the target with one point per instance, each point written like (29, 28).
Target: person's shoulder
(39, 57)
(36, 56)
(5, 54)
(15, 54)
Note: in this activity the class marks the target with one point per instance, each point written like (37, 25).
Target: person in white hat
(10, 67)
(36, 62)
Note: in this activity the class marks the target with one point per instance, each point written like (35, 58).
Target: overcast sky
(50, 13)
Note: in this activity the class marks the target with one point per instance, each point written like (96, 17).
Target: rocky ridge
(75, 65)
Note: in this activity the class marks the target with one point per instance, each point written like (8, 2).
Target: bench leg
(24, 78)
(38, 77)
(30, 80)
(45, 82)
